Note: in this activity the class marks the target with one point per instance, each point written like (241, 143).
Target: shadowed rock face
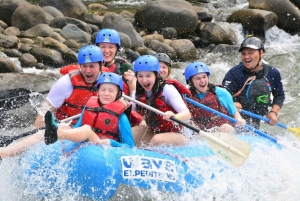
(7, 7)
(288, 13)
(70, 8)
(157, 15)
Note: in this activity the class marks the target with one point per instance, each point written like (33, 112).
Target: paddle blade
(228, 147)
(295, 131)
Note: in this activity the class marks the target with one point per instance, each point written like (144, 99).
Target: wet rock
(158, 46)
(68, 55)
(117, 22)
(169, 33)
(254, 19)
(94, 19)
(7, 7)
(57, 37)
(12, 52)
(39, 30)
(71, 31)
(97, 8)
(53, 11)
(7, 65)
(8, 41)
(3, 24)
(156, 15)
(185, 49)
(287, 13)
(27, 60)
(126, 14)
(60, 22)
(28, 16)
(125, 40)
(216, 33)
(48, 56)
(72, 44)
(69, 8)
(148, 38)
(12, 31)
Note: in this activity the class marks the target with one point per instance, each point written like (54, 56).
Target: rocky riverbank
(50, 34)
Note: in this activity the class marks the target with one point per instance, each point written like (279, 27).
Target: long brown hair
(155, 89)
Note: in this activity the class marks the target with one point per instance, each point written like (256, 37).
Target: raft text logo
(139, 167)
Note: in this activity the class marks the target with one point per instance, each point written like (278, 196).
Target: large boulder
(53, 11)
(60, 22)
(39, 30)
(216, 33)
(7, 7)
(185, 49)
(71, 31)
(7, 65)
(117, 22)
(70, 8)
(48, 56)
(68, 55)
(287, 13)
(254, 19)
(8, 41)
(27, 16)
(156, 15)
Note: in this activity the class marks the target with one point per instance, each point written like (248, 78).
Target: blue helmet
(110, 78)
(195, 68)
(90, 53)
(146, 63)
(108, 36)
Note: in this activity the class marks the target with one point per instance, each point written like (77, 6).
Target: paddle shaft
(6, 140)
(26, 94)
(262, 118)
(206, 135)
(231, 119)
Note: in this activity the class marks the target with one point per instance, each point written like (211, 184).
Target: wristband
(273, 112)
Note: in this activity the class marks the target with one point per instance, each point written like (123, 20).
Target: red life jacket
(82, 91)
(66, 69)
(156, 122)
(104, 120)
(203, 118)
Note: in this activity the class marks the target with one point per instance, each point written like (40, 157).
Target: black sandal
(51, 129)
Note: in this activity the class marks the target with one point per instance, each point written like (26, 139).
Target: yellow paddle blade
(228, 147)
(295, 131)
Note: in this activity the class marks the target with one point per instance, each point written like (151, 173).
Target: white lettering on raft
(140, 167)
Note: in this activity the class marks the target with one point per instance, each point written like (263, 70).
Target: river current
(269, 173)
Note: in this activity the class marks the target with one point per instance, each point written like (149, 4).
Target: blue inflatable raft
(103, 173)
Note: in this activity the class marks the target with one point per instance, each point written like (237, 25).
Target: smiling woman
(163, 94)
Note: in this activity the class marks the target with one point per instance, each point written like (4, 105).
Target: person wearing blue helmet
(197, 77)
(67, 97)
(252, 82)
(151, 89)
(101, 120)
(109, 42)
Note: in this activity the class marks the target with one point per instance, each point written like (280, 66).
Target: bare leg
(142, 135)
(22, 145)
(175, 139)
(79, 134)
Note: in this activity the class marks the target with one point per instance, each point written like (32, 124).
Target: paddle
(273, 139)
(226, 146)
(14, 98)
(6, 140)
(295, 131)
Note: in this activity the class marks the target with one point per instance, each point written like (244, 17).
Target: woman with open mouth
(163, 95)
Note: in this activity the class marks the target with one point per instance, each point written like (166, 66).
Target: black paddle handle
(6, 140)
(185, 124)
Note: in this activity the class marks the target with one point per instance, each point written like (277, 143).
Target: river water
(269, 173)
